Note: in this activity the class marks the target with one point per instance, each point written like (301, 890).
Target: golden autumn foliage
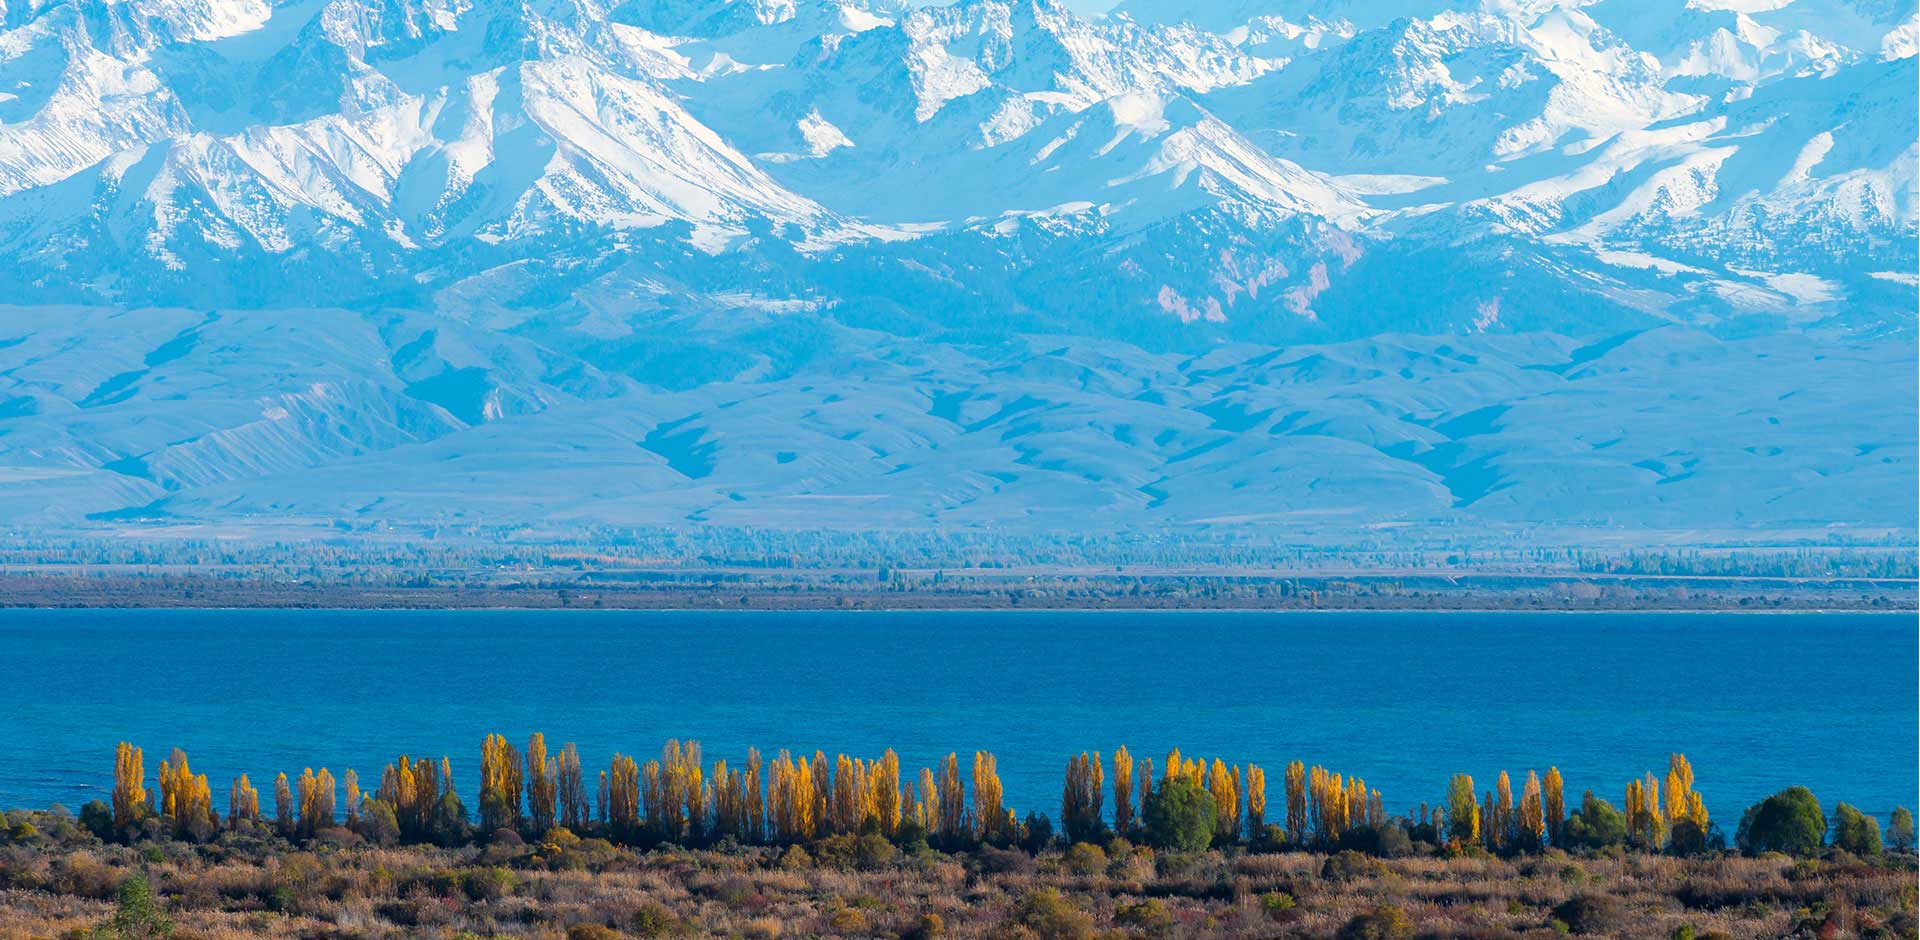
(1122, 790)
(1646, 826)
(678, 798)
(673, 792)
(1463, 814)
(129, 786)
(316, 801)
(1531, 824)
(1684, 805)
(243, 802)
(1224, 787)
(992, 822)
(501, 774)
(953, 805)
(792, 800)
(283, 808)
(1256, 800)
(1081, 798)
(186, 801)
(621, 785)
(571, 790)
(543, 786)
(886, 800)
(1296, 803)
(1554, 805)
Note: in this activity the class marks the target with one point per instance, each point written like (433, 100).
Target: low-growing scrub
(63, 883)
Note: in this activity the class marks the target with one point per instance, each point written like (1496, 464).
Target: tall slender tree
(243, 802)
(543, 786)
(501, 775)
(623, 798)
(572, 790)
(1223, 787)
(1463, 814)
(1081, 798)
(129, 787)
(351, 785)
(1297, 803)
(884, 783)
(954, 824)
(283, 807)
(1256, 801)
(991, 821)
(1554, 805)
(1532, 822)
(1122, 791)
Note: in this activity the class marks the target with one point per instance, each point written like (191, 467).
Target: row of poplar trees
(679, 798)
(1497, 822)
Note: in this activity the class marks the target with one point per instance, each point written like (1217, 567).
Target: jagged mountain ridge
(392, 149)
(1607, 266)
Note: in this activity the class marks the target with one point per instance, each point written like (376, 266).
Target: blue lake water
(1758, 702)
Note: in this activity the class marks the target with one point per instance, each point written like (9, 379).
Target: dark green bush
(1596, 824)
(1854, 831)
(1590, 914)
(1385, 922)
(1148, 917)
(1179, 817)
(1789, 821)
(1052, 917)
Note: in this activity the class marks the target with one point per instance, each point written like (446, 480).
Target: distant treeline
(1802, 563)
(446, 556)
(1183, 804)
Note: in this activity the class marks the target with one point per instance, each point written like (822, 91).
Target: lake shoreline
(1294, 592)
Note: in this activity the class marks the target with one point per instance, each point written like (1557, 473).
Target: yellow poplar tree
(500, 784)
(283, 809)
(843, 808)
(756, 799)
(1532, 823)
(953, 804)
(243, 802)
(1554, 804)
(1223, 786)
(1297, 803)
(1332, 806)
(129, 786)
(186, 801)
(350, 782)
(928, 803)
(1081, 796)
(1463, 814)
(1679, 784)
(885, 786)
(1646, 824)
(571, 789)
(1501, 827)
(989, 812)
(1122, 791)
(623, 798)
(1256, 801)
(316, 801)
(543, 785)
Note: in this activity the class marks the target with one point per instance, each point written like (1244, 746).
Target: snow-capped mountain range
(642, 202)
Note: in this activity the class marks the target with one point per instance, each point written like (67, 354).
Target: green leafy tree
(137, 915)
(1789, 821)
(1900, 828)
(1855, 832)
(1596, 824)
(1179, 816)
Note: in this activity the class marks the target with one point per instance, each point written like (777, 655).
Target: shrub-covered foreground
(57, 880)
